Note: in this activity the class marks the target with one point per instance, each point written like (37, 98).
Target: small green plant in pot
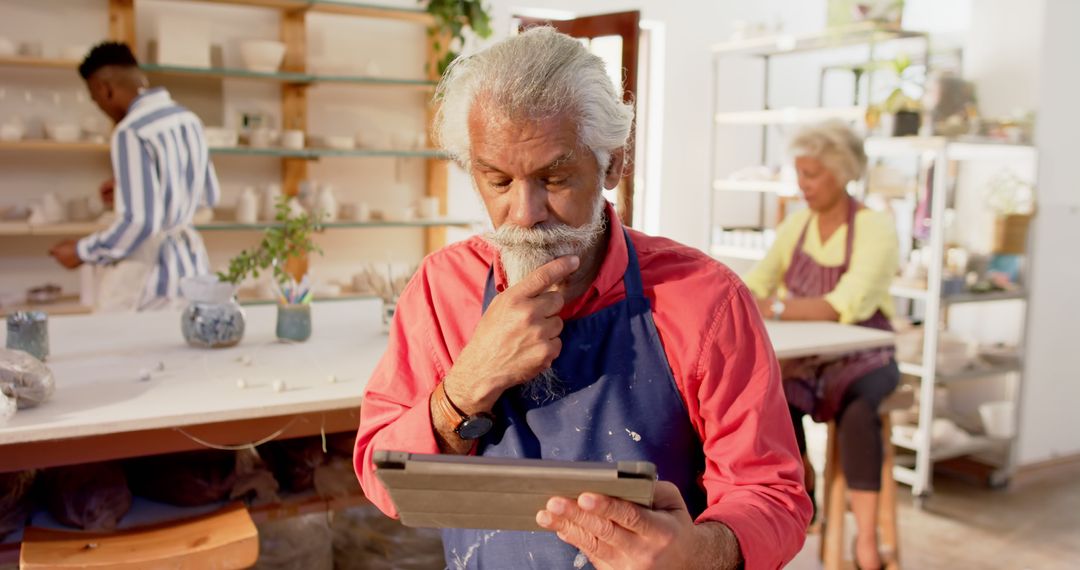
(289, 238)
(283, 251)
(900, 113)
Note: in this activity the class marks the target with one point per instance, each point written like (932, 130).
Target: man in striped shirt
(162, 173)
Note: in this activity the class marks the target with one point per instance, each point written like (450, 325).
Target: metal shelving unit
(941, 151)
(938, 149)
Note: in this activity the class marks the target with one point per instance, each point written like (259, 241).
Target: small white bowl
(340, 142)
(63, 132)
(264, 56)
(219, 137)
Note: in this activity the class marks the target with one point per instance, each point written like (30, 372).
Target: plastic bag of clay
(254, 483)
(293, 461)
(7, 406)
(25, 378)
(336, 478)
(295, 543)
(366, 539)
(16, 501)
(93, 496)
(187, 479)
(341, 444)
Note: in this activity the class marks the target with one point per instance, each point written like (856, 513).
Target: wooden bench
(222, 540)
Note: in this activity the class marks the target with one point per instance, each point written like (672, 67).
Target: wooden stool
(832, 527)
(221, 540)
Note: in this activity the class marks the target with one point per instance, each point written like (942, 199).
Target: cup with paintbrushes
(294, 310)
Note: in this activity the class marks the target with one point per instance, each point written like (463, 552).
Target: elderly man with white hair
(835, 261)
(563, 335)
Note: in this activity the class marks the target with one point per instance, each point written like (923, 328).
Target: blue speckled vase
(213, 318)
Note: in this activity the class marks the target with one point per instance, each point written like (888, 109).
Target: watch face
(474, 427)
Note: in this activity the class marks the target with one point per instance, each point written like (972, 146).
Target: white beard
(524, 250)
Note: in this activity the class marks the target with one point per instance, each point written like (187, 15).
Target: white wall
(1001, 54)
(1049, 424)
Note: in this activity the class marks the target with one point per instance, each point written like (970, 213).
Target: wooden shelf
(47, 145)
(307, 153)
(146, 512)
(45, 62)
(858, 34)
(84, 228)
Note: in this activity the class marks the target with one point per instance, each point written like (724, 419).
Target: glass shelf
(440, 222)
(314, 153)
(284, 76)
(222, 72)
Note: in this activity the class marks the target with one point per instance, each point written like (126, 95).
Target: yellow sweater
(863, 289)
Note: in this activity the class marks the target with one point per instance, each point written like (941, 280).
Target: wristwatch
(777, 307)
(469, 426)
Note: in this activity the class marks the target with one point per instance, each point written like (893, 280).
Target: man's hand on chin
(618, 534)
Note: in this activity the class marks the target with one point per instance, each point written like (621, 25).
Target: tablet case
(455, 491)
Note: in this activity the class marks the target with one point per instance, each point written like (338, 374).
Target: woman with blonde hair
(834, 261)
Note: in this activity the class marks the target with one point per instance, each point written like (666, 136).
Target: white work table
(793, 339)
(102, 410)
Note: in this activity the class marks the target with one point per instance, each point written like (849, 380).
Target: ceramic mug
(292, 139)
(429, 207)
(261, 138)
(79, 209)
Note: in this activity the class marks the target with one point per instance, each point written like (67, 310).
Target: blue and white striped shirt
(163, 173)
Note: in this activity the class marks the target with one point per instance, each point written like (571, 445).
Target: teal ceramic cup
(294, 322)
(29, 331)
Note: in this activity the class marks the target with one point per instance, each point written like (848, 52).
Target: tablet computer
(460, 491)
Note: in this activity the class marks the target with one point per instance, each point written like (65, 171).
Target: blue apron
(619, 402)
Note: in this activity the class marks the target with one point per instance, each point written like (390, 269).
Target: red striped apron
(819, 390)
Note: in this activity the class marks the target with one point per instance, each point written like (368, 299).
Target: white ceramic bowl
(63, 132)
(218, 137)
(7, 47)
(12, 132)
(263, 56)
(340, 142)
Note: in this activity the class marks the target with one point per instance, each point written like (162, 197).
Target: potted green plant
(900, 113)
(283, 251)
(452, 17)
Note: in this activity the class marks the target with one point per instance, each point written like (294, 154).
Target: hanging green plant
(451, 19)
(289, 237)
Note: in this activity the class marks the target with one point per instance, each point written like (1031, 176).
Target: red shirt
(715, 342)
